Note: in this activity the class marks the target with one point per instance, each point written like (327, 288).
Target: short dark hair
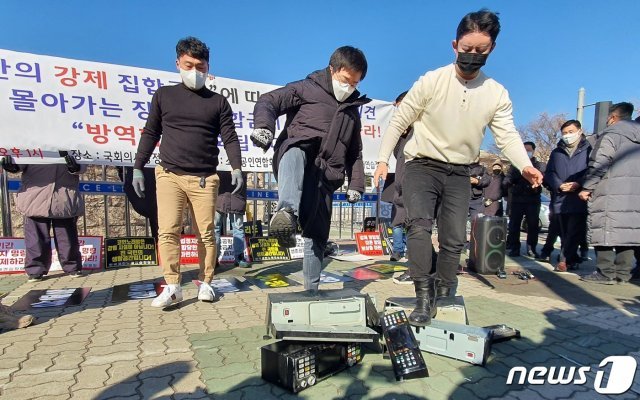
(193, 47)
(533, 145)
(401, 96)
(624, 110)
(349, 57)
(480, 21)
(570, 122)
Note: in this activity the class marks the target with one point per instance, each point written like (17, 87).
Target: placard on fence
(13, 253)
(130, 251)
(267, 249)
(370, 244)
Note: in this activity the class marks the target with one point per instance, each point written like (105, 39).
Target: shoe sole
(281, 228)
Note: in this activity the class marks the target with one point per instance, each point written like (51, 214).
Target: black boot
(442, 291)
(425, 307)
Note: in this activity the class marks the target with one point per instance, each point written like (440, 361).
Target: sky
(546, 51)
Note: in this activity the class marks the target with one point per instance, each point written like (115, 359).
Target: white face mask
(342, 91)
(530, 154)
(193, 79)
(571, 138)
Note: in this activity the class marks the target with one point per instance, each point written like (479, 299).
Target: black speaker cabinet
(487, 244)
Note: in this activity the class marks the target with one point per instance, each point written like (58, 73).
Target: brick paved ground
(101, 350)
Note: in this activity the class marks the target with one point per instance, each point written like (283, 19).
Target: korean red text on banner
(97, 111)
(12, 254)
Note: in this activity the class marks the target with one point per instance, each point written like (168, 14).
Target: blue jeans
(312, 263)
(236, 222)
(399, 239)
(290, 182)
(290, 179)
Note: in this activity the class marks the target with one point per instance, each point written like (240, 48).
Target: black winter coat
(227, 202)
(520, 190)
(476, 170)
(399, 213)
(562, 168)
(328, 131)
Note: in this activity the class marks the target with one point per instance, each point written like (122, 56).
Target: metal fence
(346, 219)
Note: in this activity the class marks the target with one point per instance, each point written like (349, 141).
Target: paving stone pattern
(129, 350)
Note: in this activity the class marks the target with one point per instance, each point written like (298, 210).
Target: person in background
(524, 202)
(564, 174)
(479, 179)
(493, 192)
(231, 206)
(319, 145)
(397, 224)
(49, 199)
(449, 109)
(146, 206)
(189, 118)
(612, 189)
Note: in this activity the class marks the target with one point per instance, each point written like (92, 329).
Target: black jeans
(431, 185)
(572, 231)
(615, 264)
(531, 211)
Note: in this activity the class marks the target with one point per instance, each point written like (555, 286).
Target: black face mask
(470, 63)
(497, 171)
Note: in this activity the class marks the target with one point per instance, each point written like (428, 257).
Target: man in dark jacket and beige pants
(319, 144)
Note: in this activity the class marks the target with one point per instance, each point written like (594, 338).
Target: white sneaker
(206, 293)
(170, 294)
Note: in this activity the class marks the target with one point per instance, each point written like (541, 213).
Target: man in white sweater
(450, 109)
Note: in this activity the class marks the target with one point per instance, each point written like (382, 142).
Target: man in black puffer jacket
(524, 202)
(319, 145)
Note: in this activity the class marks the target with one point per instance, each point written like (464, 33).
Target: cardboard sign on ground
(50, 298)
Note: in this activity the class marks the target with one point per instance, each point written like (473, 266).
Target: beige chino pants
(175, 192)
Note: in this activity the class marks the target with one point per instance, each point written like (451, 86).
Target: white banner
(97, 111)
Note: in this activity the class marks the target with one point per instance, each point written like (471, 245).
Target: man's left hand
(237, 180)
(353, 196)
(533, 176)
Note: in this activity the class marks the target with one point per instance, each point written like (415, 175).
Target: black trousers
(531, 212)
(476, 207)
(37, 240)
(615, 262)
(147, 206)
(553, 233)
(572, 231)
(431, 185)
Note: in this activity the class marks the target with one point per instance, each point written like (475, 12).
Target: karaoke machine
(462, 342)
(328, 315)
(449, 309)
(296, 366)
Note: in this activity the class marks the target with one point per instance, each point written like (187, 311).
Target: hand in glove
(72, 164)
(262, 138)
(8, 164)
(236, 180)
(138, 183)
(353, 196)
